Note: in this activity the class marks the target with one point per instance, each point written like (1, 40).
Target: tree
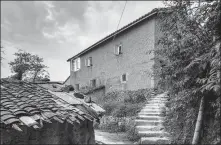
(28, 66)
(188, 63)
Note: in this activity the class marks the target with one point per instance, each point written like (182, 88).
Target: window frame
(88, 62)
(118, 49)
(77, 87)
(76, 64)
(93, 83)
(122, 78)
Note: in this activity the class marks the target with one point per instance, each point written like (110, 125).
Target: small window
(124, 78)
(118, 49)
(88, 62)
(77, 87)
(78, 63)
(75, 64)
(93, 83)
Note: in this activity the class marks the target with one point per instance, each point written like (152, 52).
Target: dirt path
(111, 138)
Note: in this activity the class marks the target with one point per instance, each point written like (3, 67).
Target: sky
(58, 30)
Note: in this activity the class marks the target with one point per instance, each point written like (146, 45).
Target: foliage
(125, 103)
(131, 130)
(120, 125)
(28, 66)
(45, 79)
(87, 90)
(67, 88)
(188, 64)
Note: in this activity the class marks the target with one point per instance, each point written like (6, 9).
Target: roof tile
(26, 102)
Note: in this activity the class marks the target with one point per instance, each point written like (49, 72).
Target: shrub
(54, 86)
(109, 107)
(67, 88)
(120, 111)
(121, 105)
(110, 126)
(131, 131)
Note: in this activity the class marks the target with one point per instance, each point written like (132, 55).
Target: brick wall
(54, 133)
(135, 61)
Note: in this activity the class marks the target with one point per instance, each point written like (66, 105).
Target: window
(88, 62)
(77, 86)
(75, 64)
(118, 49)
(78, 65)
(93, 83)
(123, 78)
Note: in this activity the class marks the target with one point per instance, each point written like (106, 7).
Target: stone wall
(135, 60)
(51, 133)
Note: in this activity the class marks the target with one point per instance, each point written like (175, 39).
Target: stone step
(149, 127)
(153, 133)
(155, 140)
(147, 117)
(162, 96)
(159, 98)
(155, 99)
(155, 104)
(151, 109)
(141, 122)
(150, 113)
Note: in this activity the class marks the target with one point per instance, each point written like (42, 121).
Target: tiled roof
(24, 103)
(140, 19)
(48, 82)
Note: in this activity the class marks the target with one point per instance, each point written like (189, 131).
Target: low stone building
(31, 114)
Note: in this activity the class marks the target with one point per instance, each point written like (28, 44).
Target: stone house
(121, 60)
(31, 114)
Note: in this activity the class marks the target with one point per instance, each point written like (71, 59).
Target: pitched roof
(27, 103)
(142, 18)
(48, 82)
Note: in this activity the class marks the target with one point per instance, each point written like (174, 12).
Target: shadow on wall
(51, 133)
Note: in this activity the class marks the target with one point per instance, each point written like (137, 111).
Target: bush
(67, 88)
(132, 133)
(123, 104)
(54, 86)
(110, 126)
(109, 107)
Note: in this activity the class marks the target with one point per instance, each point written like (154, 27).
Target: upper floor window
(124, 78)
(88, 61)
(118, 49)
(75, 64)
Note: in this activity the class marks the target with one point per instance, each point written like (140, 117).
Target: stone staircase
(149, 122)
